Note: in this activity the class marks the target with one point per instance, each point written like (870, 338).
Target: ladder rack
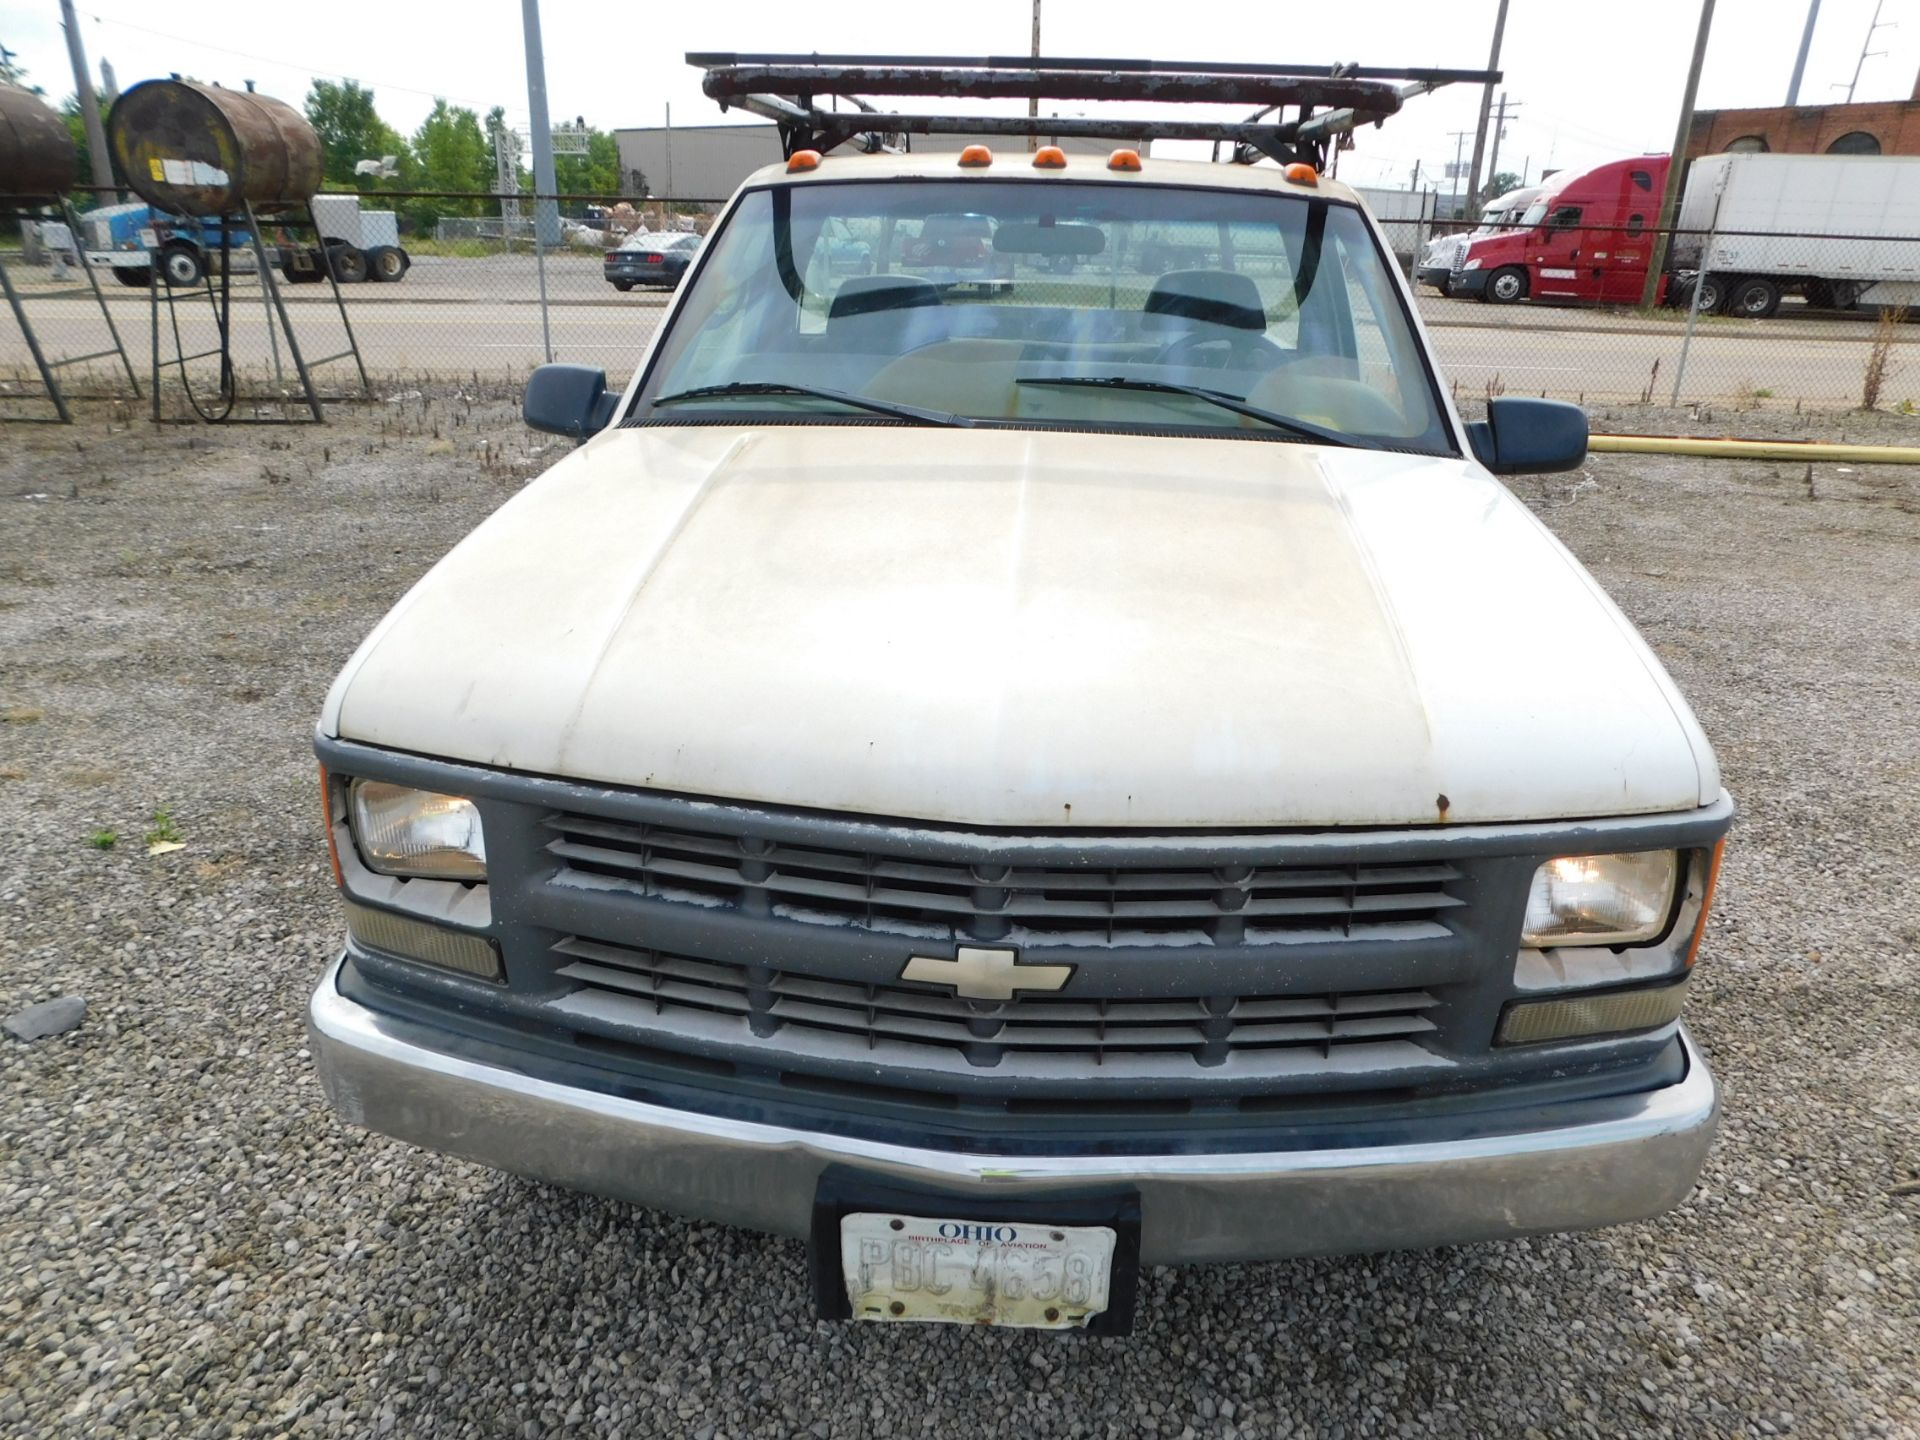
(1328, 101)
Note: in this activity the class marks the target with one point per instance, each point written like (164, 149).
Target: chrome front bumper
(1578, 1166)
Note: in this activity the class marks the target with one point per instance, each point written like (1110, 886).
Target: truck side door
(1555, 255)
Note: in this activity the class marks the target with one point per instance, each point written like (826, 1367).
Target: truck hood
(1026, 628)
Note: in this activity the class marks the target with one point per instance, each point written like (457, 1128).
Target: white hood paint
(1026, 628)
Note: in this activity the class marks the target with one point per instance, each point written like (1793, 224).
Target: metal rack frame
(1329, 101)
(17, 208)
(160, 293)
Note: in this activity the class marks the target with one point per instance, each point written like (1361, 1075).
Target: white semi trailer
(1842, 230)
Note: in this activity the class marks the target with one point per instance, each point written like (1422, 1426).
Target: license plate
(970, 1272)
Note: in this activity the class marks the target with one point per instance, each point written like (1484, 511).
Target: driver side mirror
(568, 400)
(1529, 437)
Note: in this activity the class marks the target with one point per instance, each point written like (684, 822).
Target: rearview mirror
(1529, 437)
(569, 400)
(1022, 238)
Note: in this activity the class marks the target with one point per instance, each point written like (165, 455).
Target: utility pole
(1866, 54)
(1459, 144)
(1499, 130)
(1677, 162)
(1800, 60)
(98, 159)
(546, 210)
(1486, 104)
(1033, 104)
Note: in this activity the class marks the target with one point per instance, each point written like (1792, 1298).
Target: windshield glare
(964, 297)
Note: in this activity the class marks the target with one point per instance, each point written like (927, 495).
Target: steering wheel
(1238, 349)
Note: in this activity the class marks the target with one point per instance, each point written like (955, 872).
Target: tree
(350, 130)
(595, 173)
(449, 153)
(1501, 183)
(13, 73)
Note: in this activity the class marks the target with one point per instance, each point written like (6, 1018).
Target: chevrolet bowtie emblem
(978, 974)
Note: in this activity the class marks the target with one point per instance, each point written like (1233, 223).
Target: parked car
(656, 260)
(1016, 787)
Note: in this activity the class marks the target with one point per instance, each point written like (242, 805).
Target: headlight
(1471, 265)
(1601, 899)
(417, 833)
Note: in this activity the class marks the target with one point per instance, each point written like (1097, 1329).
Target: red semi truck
(1587, 236)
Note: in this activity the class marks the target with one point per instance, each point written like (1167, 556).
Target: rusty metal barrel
(193, 149)
(37, 155)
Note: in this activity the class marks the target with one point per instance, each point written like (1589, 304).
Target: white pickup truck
(1018, 785)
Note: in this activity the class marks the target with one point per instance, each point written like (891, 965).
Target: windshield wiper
(818, 392)
(1304, 429)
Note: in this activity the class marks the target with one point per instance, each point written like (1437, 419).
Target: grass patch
(164, 831)
(103, 839)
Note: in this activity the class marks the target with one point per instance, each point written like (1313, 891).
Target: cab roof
(1014, 163)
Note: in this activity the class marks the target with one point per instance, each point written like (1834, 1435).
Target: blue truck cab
(131, 240)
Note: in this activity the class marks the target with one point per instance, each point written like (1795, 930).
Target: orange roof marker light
(803, 160)
(1124, 160)
(1302, 174)
(1049, 157)
(976, 157)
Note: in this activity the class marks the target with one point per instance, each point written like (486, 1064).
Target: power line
(288, 64)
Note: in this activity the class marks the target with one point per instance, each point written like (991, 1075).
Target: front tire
(1505, 285)
(180, 266)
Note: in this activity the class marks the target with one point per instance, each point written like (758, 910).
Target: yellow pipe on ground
(1727, 449)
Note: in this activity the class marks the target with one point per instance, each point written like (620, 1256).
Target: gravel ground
(193, 1245)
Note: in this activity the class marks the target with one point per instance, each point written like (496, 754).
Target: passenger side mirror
(1529, 437)
(569, 400)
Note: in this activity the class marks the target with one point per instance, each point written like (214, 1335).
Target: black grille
(1060, 904)
(725, 1002)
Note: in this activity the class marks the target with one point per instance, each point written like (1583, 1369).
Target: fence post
(1693, 302)
(540, 266)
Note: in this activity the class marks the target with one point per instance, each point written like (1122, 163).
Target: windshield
(1536, 213)
(1252, 314)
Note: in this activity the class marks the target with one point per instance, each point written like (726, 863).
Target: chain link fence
(1814, 322)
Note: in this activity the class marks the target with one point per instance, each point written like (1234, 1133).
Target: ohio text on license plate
(914, 1267)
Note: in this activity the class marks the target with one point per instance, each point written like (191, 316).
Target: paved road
(455, 317)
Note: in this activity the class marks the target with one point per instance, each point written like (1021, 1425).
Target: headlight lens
(1601, 899)
(1471, 265)
(417, 833)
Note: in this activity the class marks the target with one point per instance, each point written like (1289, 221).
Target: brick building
(1884, 127)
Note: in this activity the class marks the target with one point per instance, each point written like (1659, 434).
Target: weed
(21, 715)
(164, 831)
(1880, 356)
(103, 839)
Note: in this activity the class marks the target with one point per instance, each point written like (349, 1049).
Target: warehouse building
(1885, 127)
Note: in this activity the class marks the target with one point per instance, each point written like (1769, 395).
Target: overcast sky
(1591, 82)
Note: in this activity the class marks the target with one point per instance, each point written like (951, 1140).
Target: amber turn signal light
(1124, 160)
(1706, 899)
(803, 160)
(1302, 174)
(1049, 157)
(326, 824)
(975, 157)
